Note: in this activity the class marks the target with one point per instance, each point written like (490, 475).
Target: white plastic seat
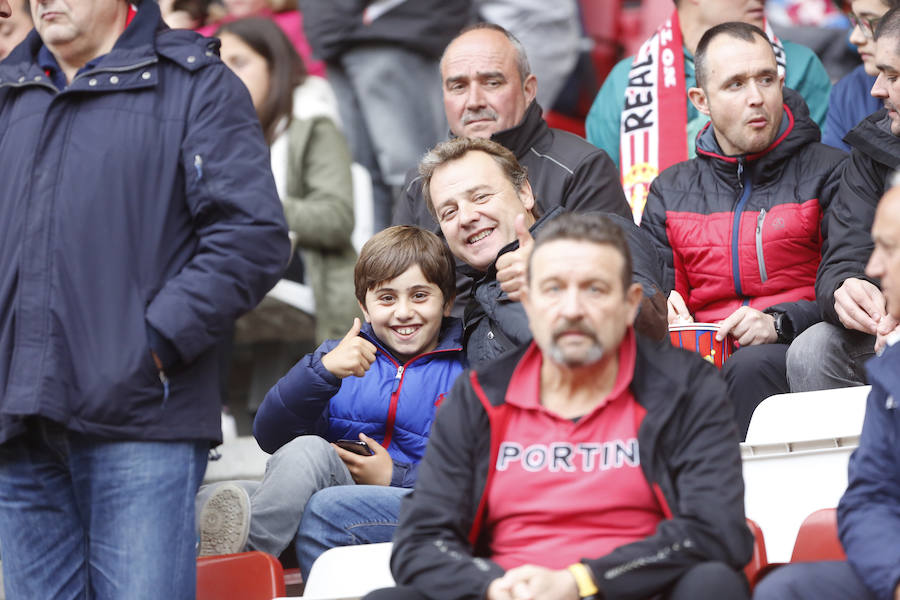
(363, 209)
(795, 459)
(348, 572)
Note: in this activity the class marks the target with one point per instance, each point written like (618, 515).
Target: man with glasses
(856, 323)
(850, 100)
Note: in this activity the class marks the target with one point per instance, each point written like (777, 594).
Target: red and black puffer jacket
(746, 230)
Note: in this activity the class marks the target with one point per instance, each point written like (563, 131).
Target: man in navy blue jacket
(138, 219)
(868, 515)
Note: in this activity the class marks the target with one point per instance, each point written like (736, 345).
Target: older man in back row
(739, 225)
(624, 463)
(489, 92)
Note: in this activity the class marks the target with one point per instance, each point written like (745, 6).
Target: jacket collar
(797, 130)
(520, 138)
(873, 137)
(131, 64)
(883, 371)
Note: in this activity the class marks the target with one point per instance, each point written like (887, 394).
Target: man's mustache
(479, 115)
(573, 326)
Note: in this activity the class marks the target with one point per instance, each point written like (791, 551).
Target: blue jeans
(86, 517)
(295, 472)
(345, 516)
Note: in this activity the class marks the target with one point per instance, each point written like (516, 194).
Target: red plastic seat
(818, 538)
(759, 560)
(248, 576)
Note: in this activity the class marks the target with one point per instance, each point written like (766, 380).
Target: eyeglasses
(866, 26)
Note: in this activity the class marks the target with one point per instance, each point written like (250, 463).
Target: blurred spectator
(382, 59)
(311, 164)
(851, 100)
(739, 224)
(856, 323)
(641, 116)
(549, 31)
(821, 26)
(283, 12)
(869, 511)
(15, 26)
(592, 463)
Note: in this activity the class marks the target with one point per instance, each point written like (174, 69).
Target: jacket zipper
(746, 188)
(760, 219)
(395, 393)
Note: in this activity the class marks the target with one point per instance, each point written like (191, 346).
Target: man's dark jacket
(423, 26)
(494, 324)
(688, 453)
(847, 224)
(563, 170)
(137, 211)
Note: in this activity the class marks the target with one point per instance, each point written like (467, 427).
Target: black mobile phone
(356, 446)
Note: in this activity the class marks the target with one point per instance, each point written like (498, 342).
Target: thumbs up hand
(352, 356)
(512, 267)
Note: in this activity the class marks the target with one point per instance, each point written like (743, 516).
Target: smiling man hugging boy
(380, 385)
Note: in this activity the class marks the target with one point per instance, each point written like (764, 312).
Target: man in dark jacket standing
(592, 463)
(739, 225)
(138, 219)
(856, 323)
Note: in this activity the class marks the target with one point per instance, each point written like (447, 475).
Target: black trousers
(713, 580)
(754, 373)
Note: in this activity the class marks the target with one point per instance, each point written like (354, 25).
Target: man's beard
(588, 357)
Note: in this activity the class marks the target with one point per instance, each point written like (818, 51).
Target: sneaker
(225, 521)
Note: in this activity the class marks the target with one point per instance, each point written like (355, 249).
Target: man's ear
(448, 306)
(526, 195)
(529, 87)
(365, 313)
(633, 298)
(699, 100)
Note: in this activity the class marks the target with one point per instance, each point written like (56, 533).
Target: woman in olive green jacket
(311, 164)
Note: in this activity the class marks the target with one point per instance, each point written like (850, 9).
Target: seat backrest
(368, 563)
(836, 413)
(759, 560)
(818, 538)
(248, 576)
(363, 207)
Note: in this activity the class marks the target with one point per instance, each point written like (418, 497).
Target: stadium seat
(363, 208)
(818, 538)
(795, 459)
(350, 572)
(248, 576)
(759, 560)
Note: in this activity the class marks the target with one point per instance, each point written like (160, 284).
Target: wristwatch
(783, 328)
(587, 589)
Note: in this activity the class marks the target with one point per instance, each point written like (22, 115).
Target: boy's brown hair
(391, 252)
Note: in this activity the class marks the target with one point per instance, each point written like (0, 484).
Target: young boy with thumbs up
(380, 385)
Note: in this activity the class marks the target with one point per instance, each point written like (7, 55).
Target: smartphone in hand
(355, 446)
